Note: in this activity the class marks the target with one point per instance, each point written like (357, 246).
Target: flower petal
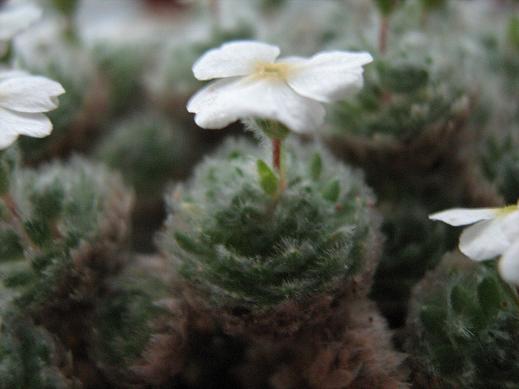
(233, 59)
(463, 216)
(509, 264)
(484, 240)
(225, 101)
(29, 93)
(14, 18)
(6, 73)
(14, 123)
(328, 76)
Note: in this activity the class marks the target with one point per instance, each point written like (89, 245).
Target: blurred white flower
(23, 100)
(493, 232)
(509, 264)
(257, 84)
(14, 18)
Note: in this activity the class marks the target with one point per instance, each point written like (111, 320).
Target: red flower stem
(277, 147)
(276, 154)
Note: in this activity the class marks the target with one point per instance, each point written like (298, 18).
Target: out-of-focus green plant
(463, 328)
(246, 248)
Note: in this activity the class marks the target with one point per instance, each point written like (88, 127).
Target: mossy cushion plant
(400, 100)
(127, 318)
(247, 250)
(71, 228)
(149, 150)
(31, 357)
(463, 328)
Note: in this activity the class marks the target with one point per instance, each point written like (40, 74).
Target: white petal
(225, 101)
(328, 76)
(463, 216)
(509, 264)
(29, 94)
(6, 73)
(17, 17)
(484, 240)
(31, 124)
(510, 225)
(233, 59)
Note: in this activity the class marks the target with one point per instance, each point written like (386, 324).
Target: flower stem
(16, 221)
(382, 34)
(277, 149)
(276, 154)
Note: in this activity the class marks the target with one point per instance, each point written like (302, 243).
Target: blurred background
(438, 109)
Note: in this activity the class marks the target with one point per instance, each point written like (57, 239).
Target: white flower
(14, 18)
(257, 84)
(493, 232)
(23, 99)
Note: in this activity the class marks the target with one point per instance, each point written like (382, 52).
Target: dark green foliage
(8, 162)
(463, 329)
(387, 7)
(241, 246)
(68, 210)
(413, 246)
(400, 100)
(121, 67)
(149, 151)
(500, 163)
(31, 358)
(126, 317)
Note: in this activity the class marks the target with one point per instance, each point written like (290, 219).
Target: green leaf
(187, 244)
(38, 230)
(433, 319)
(316, 166)
(48, 203)
(461, 300)
(489, 297)
(19, 278)
(10, 247)
(268, 180)
(332, 191)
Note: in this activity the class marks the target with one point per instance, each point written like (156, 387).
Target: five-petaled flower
(23, 100)
(257, 84)
(492, 232)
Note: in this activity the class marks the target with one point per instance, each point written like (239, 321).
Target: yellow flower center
(272, 70)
